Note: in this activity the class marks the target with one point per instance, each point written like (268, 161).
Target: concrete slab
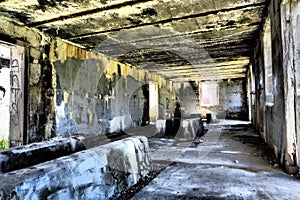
(184, 181)
(231, 163)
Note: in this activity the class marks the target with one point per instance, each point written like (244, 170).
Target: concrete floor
(232, 162)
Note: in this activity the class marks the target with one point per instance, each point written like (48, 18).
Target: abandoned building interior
(97, 97)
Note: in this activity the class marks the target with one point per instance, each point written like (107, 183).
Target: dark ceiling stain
(149, 12)
(43, 4)
(230, 23)
(157, 56)
(20, 16)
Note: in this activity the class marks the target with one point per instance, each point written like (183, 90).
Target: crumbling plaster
(293, 28)
(39, 107)
(275, 135)
(224, 29)
(60, 70)
(95, 94)
(277, 122)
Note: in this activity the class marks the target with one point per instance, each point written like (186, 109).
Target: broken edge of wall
(98, 173)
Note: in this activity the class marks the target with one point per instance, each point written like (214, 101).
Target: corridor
(149, 99)
(232, 162)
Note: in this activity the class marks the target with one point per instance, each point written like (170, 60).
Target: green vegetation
(4, 144)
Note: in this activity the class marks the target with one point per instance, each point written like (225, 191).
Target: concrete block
(214, 117)
(98, 173)
(25, 156)
(161, 126)
(190, 128)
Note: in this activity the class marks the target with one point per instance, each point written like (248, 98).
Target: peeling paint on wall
(38, 72)
(95, 94)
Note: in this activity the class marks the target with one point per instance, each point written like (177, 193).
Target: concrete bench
(98, 173)
(28, 155)
(211, 117)
(189, 128)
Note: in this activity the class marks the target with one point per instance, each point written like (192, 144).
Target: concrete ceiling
(188, 40)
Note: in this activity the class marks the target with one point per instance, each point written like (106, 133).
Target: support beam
(248, 6)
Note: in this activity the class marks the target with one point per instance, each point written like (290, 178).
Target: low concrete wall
(98, 173)
(25, 156)
(35, 153)
(188, 128)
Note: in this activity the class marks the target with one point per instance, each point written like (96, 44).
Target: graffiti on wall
(15, 89)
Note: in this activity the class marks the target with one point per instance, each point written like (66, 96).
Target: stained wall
(277, 121)
(97, 95)
(38, 96)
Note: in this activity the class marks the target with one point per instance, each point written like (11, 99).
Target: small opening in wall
(210, 94)
(119, 70)
(268, 63)
(153, 101)
(12, 71)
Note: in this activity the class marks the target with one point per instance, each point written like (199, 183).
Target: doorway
(11, 95)
(153, 101)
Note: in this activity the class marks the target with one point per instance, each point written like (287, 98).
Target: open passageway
(232, 162)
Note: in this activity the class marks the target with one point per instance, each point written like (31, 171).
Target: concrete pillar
(287, 30)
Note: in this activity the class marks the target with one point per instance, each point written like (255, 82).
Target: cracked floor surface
(232, 163)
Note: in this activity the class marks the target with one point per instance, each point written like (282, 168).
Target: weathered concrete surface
(111, 99)
(231, 97)
(97, 173)
(296, 26)
(96, 95)
(38, 96)
(214, 182)
(224, 29)
(277, 122)
(25, 156)
(231, 163)
(290, 13)
(188, 128)
(35, 153)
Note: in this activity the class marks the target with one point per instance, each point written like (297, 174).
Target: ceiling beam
(88, 12)
(248, 6)
(211, 78)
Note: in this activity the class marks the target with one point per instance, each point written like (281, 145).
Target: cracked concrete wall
(275, 135)
(95, 94)
(231, 99)
(277, 122)
(38, 77)
(290, 29)
(258, 63)
(187, 97)
(55, 107)
(297, 77)
(289, 82)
